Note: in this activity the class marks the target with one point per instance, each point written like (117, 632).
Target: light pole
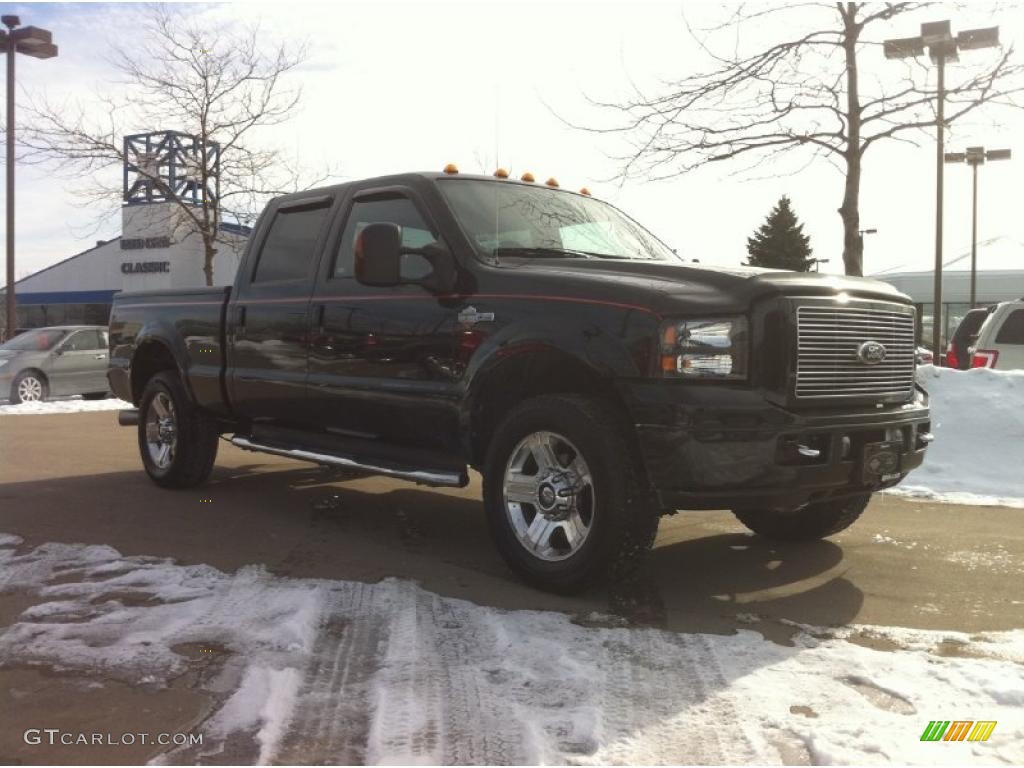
(975, 156)
(942, 46)
(37, 43)
(818, 262)
(861, 233)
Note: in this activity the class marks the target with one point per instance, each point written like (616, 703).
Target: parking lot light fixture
(975, 156)
(37, 43)
(942, 45)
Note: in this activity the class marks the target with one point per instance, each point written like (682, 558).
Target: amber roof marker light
(552, 182)
(584, 191)
(451, 169)
(501, 173)
(527, 177)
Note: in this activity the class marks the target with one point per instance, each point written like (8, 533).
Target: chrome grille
(828, 338)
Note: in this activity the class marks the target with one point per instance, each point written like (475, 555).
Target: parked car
(62, 360)
(420, 324)
(924, 356)
(958, 353)
(1000, 341)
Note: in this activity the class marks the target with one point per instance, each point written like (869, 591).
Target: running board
(426, 477)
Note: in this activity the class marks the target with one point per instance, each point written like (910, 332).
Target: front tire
(177, 441)
(563, 494)
(29, 387)
(815, 521)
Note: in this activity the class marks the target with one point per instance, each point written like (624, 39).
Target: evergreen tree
(780, 243)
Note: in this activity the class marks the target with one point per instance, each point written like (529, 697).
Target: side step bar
(424, 476)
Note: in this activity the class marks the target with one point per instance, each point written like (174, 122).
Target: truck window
(392, 210)
(290, 246)
(1012, 330)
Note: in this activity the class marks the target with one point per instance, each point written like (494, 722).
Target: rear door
(268, 322)
(383, 361)
(79, 364)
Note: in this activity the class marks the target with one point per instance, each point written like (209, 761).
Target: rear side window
(290, 247)
(1012, 329)
(969, 325)
(391, 210)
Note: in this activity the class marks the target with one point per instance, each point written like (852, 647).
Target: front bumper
(721, 447)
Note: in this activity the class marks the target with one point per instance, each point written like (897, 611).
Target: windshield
(516, 220)
(39, 340)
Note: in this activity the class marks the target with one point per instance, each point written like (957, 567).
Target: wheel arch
(531, 370)
(32, 369)
(153, 355)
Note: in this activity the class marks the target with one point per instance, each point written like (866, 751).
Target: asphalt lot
(77, 478)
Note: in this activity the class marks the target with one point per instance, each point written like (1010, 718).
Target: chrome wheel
(549, 496)
(30, 389)
(161, 430)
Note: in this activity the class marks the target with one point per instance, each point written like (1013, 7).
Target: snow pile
(316, 671)
(978, 423)
(70, 405)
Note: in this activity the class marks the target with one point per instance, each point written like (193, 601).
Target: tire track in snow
(330, 722)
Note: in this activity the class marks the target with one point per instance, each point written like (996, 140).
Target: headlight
(705, 349)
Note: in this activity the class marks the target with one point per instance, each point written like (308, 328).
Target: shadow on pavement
(310, 523)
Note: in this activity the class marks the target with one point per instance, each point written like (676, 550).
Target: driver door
(79, 364)
(382, 361)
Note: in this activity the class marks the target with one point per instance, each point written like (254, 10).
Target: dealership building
(158, 248)
(1000, 277)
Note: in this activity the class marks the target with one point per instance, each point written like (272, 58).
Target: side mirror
(378, 255)
(378, 259)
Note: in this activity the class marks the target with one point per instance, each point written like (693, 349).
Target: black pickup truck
(421, 324)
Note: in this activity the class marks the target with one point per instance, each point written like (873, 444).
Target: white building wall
(103, 268)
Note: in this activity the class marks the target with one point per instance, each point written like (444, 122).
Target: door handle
(319, 320)
(239, 322)
(101, 356)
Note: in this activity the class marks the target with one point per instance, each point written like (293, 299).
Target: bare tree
(221, 85)
(806, 93)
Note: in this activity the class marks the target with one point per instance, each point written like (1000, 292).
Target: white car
(1000, 342)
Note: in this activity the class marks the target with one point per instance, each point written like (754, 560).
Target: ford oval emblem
(871, 353)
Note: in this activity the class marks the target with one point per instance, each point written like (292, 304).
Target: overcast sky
(391, 87)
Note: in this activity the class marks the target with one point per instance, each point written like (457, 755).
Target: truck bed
(190, 323)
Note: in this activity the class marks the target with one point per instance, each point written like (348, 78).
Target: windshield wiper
(541, 252)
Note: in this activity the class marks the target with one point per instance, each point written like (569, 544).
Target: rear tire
(815, 521)
(177, 441)
(29, 387)
(564, 494)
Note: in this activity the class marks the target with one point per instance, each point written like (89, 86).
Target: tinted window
(393, 210)
(1012, 330)
(290, 246)
(969, 325)
(85, 340)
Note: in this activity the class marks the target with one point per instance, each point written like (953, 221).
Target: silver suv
(1000, 342)
(62, 360)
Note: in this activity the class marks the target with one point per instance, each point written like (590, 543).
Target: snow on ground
(320, 671)
(978, 423)
(67, 405)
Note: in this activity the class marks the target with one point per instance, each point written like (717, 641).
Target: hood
(7, 354)
(673, 286)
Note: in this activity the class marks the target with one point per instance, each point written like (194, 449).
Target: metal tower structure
(168, 165)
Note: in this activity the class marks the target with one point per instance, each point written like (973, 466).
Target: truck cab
(425, 324)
